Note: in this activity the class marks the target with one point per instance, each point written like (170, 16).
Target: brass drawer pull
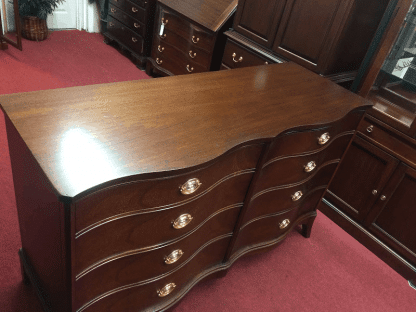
(133, 39)
(297, 196)
(374, 192)
(382, 197)
(159, 61)
(284, 224)
(190, 186)
(174, 256)
(164, 22)
(239, 60)
(324, 138)
(182, 221)
(137, 25)
(192, 55)
(195, 40)
(113, 10)
(134, 9)
(310, 166)
(189, 69)
(166, 290)
(160, 48)
(163, 36)
(111, 24)
(266, 63)
(370, 128)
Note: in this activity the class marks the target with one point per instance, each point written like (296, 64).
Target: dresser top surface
(85, 136)
(209, 13)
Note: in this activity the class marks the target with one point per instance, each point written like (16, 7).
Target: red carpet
(328, 272)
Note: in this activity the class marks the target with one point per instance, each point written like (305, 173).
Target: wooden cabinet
(186, 41)
(329, 37)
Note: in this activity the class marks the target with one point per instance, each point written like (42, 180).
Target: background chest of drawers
(188, 36)
(130, 24)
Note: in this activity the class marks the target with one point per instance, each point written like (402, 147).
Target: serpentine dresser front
(128, 196)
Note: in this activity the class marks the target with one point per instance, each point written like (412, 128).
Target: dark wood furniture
(378, 207)
(188, 36)
(130, 24)
(329, 37)
(112, 212)
(4, 40)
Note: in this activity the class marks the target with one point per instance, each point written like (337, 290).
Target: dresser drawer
(128, 7)
(294, 143)
(145, 231)
(129, 21)
(143, 3)
(129, 269)
(126, 36)
(150, 195)
(272, 200)
(235, 56)
(388, 138)
(291, 169)
(139, 296)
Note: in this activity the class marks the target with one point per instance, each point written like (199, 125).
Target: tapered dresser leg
(307, 227)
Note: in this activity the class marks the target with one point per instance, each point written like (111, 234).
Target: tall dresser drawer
(126, 36)
(235, 56)
(128, 7)
(129, 21)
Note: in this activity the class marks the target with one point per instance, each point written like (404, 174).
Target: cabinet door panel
(258, 19)
(393, 219)
(364, 169)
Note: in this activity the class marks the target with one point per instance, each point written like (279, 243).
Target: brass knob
(240, 59)
(382, 197)
(159, 61)
(324, 138)
(374, 192)
(162, 36)
(297, 196)
(160, 48)
(134, 9)
(284, 224)
(370, 128)
(189, 69)
(192, 55)
(113, 10)
(164, 22)
(111, 24)
(133, 39)
(266, 63)
(190, 186)
(195, 40)
(166, 290)
(182, 221)
(137, 25)
(174, 256)
(310, 166)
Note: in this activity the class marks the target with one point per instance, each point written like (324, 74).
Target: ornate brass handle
(382, 197)
(137, 25)
(195, 40)
(324, 138)
(164, 22)
(159, 61)
(189, 69)
(182, 221)
(163, 36)
(166, 290)
(113, 10)
(297, 196)
(374, 192)
(240, 59)
(370, 128)
(111, 24)
(284, 224)
(190, 186)
(160, 48)
(192, 55)
(134, 9)
(310, 166)
(174, 256)
(133, 39)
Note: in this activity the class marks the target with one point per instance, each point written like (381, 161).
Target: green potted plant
(33, 14)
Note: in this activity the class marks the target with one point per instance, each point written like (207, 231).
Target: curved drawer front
(149, 230)
(235, 56)
(292, 169)
(156, 194)
(276, 199)
(294, 143)
(137, 297)
(126, 36)
(151, 264)
(135, 25)
(132, 9)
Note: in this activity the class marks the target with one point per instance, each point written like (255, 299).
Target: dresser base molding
(372, 243)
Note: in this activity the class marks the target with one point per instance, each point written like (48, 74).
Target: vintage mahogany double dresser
(130, 193)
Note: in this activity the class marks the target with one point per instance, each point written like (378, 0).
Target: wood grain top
(209, 13)
(84, 136)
